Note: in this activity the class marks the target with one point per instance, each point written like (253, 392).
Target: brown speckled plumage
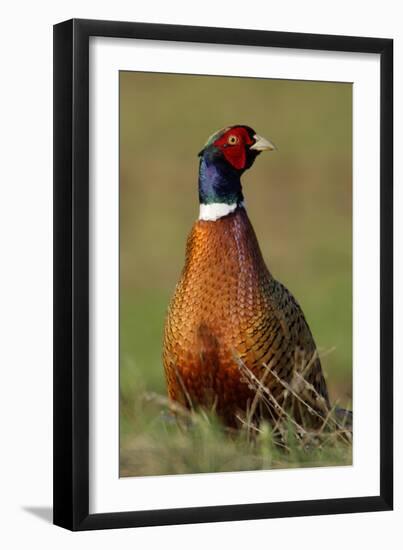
(227, 308)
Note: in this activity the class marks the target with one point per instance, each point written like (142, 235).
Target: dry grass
(299, 406)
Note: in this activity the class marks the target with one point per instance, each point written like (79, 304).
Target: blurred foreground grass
(299, 200)
(158, 441)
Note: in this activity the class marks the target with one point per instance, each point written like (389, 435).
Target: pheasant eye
(232, 140)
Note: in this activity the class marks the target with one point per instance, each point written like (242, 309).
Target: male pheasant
(228, 313)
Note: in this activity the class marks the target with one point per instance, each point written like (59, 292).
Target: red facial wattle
(233, 146)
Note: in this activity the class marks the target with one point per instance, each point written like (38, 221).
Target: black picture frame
(71, 274)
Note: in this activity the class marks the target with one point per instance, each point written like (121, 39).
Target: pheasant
(229, 315)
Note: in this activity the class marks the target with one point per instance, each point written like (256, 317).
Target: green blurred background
(299, 200)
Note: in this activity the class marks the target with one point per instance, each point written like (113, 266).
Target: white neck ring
(216, 210)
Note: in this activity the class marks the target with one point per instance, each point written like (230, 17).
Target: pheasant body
(227, 311)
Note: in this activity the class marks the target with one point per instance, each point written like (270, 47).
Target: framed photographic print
(223, 319)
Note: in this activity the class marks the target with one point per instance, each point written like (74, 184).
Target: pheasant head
(224, 158)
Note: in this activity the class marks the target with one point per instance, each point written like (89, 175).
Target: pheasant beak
(262, 144)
